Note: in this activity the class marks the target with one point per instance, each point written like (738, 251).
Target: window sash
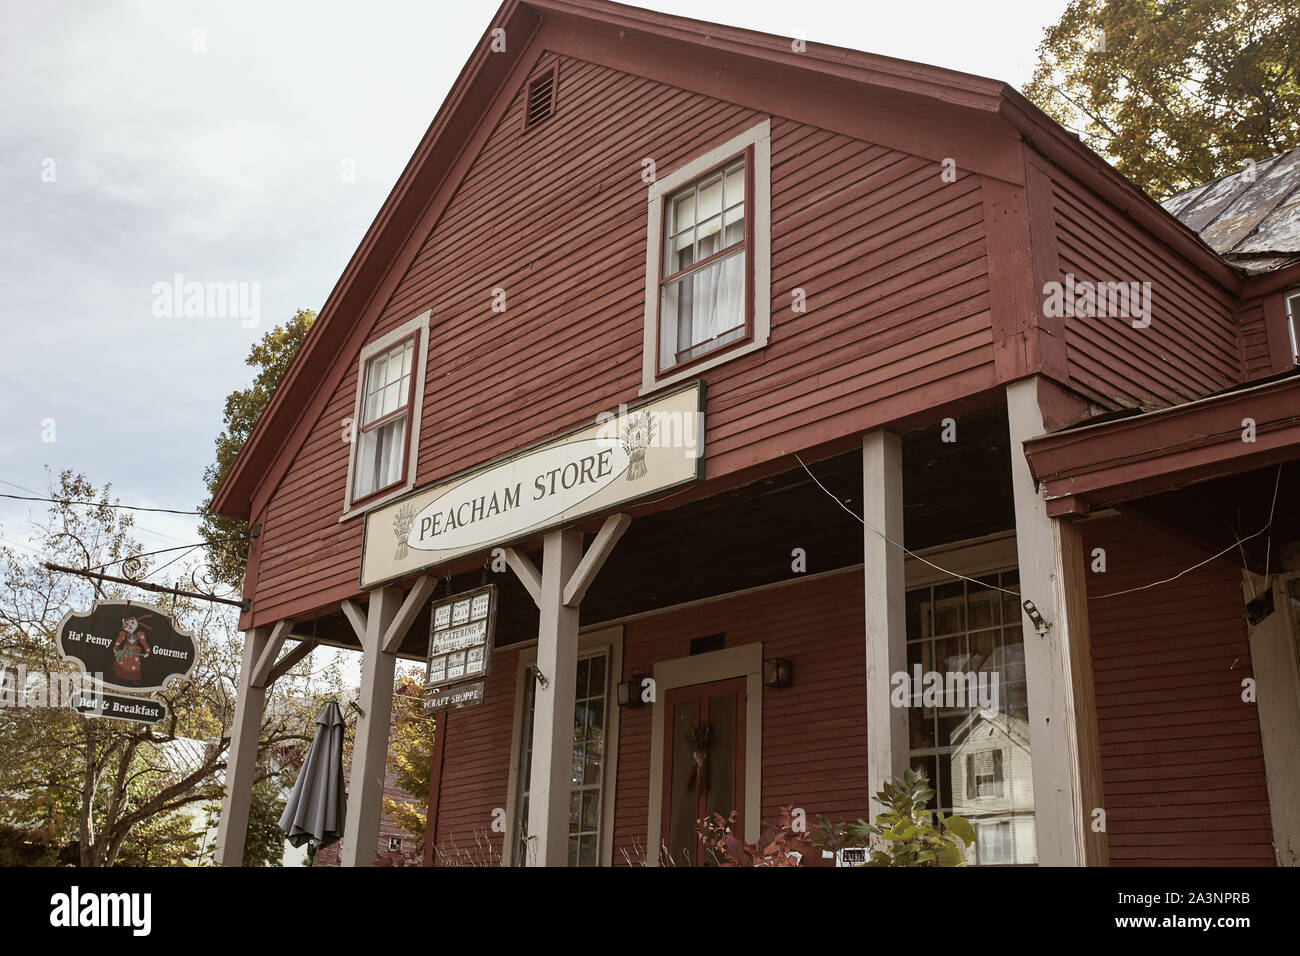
(682, 220)
(375, 466)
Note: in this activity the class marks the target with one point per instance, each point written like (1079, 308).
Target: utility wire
(100, 504)
(899, 545)
(1267, 526)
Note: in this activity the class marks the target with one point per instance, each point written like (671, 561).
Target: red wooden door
(704, 763)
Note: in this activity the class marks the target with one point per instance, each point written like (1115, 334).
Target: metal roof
(1252, 217)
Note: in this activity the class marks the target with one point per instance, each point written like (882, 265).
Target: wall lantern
(629, 692)
(778, 672)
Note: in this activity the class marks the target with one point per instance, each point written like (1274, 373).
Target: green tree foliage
(98, 792)
(1174, 93)
(226, 537)
(410, 757)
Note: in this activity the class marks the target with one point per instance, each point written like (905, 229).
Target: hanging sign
(453, 698)
(127, 645)
(461, 629)
(140, 710)
(624, 456)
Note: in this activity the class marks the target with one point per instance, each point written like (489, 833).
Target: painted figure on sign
(129, 647)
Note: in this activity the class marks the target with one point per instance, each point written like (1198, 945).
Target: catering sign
(460, 637)
(625, 455)
(127, 645)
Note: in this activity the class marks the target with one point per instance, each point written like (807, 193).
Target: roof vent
(541, 99)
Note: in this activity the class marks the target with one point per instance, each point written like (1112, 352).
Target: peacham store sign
(620, 458)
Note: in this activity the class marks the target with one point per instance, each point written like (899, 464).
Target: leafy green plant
(906, 834)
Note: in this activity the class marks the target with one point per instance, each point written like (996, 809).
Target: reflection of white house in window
(993, 787)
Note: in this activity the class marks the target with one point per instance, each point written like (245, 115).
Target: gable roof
(1250, 217)
(421, 191)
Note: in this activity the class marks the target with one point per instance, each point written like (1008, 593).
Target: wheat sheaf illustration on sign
(637, 435)
(402, 522)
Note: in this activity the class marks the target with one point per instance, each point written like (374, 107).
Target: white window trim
(609, 640)
(421, 324)
(760, 138)
(743, 661)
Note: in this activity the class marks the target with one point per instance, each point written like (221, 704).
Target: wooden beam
(357, 618)
(885, 614)
(305, 646)
(527, 574)
(370, 739)
(410, 609)
(594, 559)
(1063, 733)
(266, 660)
(241, 762)
(557, 661)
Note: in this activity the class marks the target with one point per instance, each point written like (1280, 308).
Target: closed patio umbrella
(315, 809)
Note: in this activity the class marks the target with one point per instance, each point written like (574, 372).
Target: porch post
(1058, 661)
(557, 662)
(241, 759)
(886, 624)
(1276, 670)
(370, 743)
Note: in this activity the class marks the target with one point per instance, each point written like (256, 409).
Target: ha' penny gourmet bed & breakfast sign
(623, 456)
(127, 645)
(460, 649)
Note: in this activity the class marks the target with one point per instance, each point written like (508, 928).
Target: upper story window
(708, 260)
(385, 431)
(702, 290)
(388, 385)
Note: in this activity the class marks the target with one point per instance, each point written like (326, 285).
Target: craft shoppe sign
(127, 645)
(624, 456)
(461, 629)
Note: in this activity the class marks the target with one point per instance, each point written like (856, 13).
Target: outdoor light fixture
(778, 672)
(629, 692)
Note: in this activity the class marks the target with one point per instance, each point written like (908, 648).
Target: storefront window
(970, 730)
(587, 768)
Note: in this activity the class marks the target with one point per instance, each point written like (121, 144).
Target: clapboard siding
(891, 259)
(1182, 763)
(476, 767)
(1192, 346)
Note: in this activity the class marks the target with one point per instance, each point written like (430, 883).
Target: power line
(100, 504)
(138, 527)
(899, 545)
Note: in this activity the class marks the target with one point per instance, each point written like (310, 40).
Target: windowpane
(379, 457)
(703, 310)
(388, 382)
(709, 200)
(586, 768)
(970, 732)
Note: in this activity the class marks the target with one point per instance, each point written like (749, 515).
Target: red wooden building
(762, 378)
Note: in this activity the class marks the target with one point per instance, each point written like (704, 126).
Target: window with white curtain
(703, 278)
(386, 398)
(708, 270)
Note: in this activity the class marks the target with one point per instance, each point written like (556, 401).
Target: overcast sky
(253, 142)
